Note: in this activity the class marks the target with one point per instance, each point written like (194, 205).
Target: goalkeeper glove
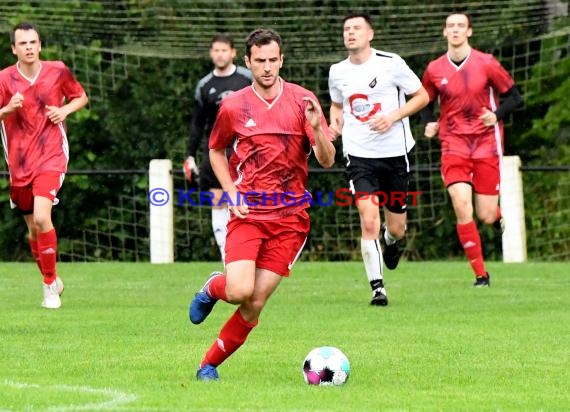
(190, 168)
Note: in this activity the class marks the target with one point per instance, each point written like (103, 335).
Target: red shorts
(273, 245)
(46, 184)
(483, 174)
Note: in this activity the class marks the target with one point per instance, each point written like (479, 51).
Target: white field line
(116, 397)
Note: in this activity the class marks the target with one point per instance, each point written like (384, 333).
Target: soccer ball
(326, 366)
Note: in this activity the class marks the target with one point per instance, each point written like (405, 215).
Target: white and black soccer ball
(326, 366)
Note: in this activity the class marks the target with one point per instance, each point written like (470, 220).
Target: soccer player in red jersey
(273, 126)
(468, 83)
(36, 97)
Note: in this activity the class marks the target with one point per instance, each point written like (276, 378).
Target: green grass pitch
(122, 340)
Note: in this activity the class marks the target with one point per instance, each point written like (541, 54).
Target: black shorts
(388, 178)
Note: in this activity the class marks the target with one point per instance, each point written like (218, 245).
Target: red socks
(47, 248)
(471, 242)
(232, 336)
(35, 254)
(217, 288)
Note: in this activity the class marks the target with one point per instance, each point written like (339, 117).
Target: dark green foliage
(547, 141)
(140, 109)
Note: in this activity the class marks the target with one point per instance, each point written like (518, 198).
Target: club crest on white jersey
(361, 108)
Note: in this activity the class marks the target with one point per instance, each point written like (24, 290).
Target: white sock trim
(388, 238)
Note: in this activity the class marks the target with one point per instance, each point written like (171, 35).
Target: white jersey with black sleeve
(376, 86)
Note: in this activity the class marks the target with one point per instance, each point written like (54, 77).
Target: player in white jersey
(370, 111)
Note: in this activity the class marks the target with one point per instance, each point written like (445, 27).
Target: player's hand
(238, 205)
(381, 122)
(15, 103)
(431, 129)
(313, 112)
(56, 114)
(240, 211)
(335, 129)
(190, 168)
(488, 117)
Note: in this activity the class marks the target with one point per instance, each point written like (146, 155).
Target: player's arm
(16, 102)
(220, 138)
(502, 81)
(336, 120)
(197, 126)
(323, 148)
(336, 111)
(74, 96)
(511, 100)
(220, 166)
(418, 100)
(407, 81)
(59, 114)
(196, 133)
(427, 115)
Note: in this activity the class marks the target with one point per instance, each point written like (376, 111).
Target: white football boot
(59, 286)
(51, 295)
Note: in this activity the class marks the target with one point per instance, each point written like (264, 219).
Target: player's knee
(463, 211)
(397, 230)
(487, 218)
(42, 222)
(238, 294)
(370, 225)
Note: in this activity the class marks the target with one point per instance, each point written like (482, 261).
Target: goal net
(106, 42)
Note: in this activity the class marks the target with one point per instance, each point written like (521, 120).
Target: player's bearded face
(27, 46)
(222, 54)
(265, 63)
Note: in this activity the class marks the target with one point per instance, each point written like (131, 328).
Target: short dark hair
(222, 38)
(23, 26)
(357, 14)
(262, 37)
(462, 13)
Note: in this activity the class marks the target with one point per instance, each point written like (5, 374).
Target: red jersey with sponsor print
(32, 143)
(272, 142)
(464, 91)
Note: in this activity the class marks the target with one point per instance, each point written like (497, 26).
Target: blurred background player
(210, 91)
(275, 125)
(467, 83)
(32, 96)
(369, 109)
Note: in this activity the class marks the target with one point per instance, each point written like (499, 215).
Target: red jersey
(463, 92)
(272, 142)
(32, 143)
